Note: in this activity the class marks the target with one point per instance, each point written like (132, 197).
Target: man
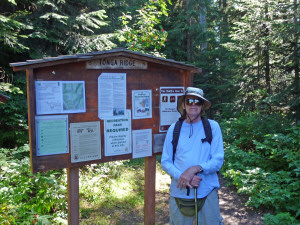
(195, 164)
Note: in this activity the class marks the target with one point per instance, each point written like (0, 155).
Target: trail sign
(80, 85)
(100, 107)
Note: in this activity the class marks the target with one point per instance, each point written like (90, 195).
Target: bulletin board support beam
(149, 201)
(73, 195)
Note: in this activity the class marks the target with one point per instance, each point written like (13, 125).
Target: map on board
(73, 96)
(54, 97)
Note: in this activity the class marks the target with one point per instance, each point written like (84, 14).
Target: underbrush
(13, 115)
(262, 159)
(113, 187)
(41, 198)
(27, 198)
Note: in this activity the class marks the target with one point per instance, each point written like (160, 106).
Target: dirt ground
(232, 205)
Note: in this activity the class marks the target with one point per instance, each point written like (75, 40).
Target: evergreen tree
(266, 37)
(197, 31)
(67, 27)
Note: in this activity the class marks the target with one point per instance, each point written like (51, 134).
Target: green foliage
(110, 192)
(114, 186)
(10, 32)
(280, 219)
(263, 160)
(66, 27)
(253, 126)
(49, 28)
(27, 198)
(41, 198)
(183, 25)
(112, 180)
(265, 36)
(103, 175)
(12, 1)
(197, 31)
(143, 31)
(13, 115)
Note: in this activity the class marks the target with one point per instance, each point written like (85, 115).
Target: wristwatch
(201, 170)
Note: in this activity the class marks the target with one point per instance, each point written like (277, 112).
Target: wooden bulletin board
(143, 72)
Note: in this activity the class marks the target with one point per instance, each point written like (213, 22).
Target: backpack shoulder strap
(207, 130)
(176, 133)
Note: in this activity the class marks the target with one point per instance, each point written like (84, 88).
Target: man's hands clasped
(189, 178)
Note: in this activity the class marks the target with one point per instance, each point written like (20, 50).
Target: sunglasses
(190, 101)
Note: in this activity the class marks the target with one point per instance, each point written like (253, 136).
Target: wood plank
(149, 201)
(73, 195)
(31, 118)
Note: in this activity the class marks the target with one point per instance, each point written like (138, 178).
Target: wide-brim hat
(192, 91)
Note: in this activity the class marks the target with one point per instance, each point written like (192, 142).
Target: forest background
(249, 53)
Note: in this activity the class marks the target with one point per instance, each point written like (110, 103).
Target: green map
(73, 96)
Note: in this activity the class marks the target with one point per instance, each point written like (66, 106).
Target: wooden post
(149, 199)
(73, 196)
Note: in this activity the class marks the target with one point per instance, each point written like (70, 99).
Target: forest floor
(232, 205)
(233, 209)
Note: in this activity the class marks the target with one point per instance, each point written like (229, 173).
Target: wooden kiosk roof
(63, 59)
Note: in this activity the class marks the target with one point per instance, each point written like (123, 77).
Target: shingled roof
(51, 61)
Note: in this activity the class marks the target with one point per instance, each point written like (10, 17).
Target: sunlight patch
(122, 190)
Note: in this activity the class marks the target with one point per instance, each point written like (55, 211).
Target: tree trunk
(189, 53)
(202, 22)
(224, 27)
(296, 63)
(267, 52)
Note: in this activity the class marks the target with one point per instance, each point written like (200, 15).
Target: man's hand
(188, 178)
(196, 181)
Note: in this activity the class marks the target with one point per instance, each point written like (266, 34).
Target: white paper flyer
(142, 143)
(85, 141)
(111, 95)
(117, 134)
(141, 104)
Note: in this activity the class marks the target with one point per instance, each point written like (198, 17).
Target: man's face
(193, 106)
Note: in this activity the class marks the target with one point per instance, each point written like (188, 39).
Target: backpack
(176, 133)
(177, 128)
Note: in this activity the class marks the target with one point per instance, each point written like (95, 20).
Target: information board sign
(74, 102)
(168, 106)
